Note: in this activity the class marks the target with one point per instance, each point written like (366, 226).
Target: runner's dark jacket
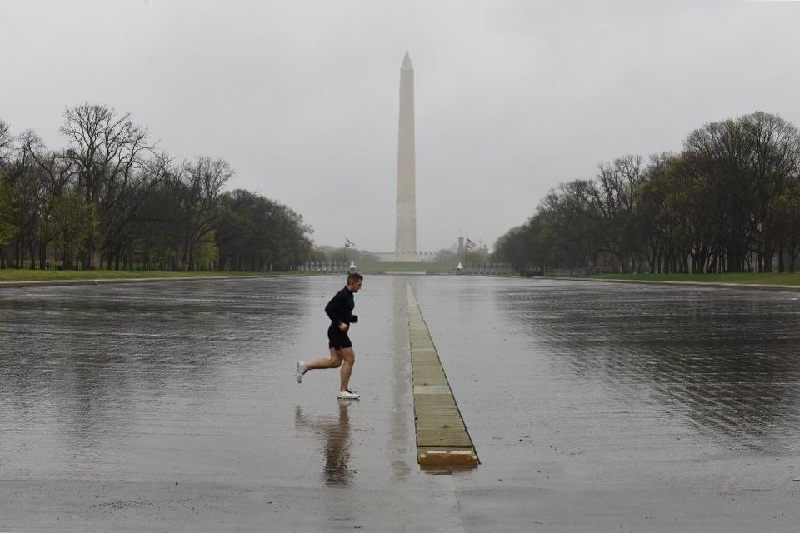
(340, 308)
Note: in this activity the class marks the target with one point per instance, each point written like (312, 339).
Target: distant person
(340, 311)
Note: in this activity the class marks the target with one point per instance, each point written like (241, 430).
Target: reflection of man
(336, 435)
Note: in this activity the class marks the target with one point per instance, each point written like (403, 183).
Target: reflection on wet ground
(163, 404)
(595, 406)
(93, 361)
(726, 361)
(335, 436)
(85, 366)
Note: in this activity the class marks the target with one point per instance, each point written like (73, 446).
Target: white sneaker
(347, 395)
(300, 370)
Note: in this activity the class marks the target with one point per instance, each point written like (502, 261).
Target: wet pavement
(592, 406)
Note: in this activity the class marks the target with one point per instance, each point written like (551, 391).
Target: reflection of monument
(406, 236)
(336, 436)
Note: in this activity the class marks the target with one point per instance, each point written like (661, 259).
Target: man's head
(354, 281)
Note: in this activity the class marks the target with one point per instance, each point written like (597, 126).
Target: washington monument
(406, 237)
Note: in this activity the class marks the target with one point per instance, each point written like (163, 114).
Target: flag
(471, 243)
(349, 243)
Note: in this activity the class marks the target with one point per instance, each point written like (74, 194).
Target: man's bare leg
(334, 361)
(348, 358)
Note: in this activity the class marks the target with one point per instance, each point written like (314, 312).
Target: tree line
(111, 199)
(729, 201)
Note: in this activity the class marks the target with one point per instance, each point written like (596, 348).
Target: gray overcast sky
(301, 97)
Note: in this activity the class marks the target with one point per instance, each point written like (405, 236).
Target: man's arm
(337, 311)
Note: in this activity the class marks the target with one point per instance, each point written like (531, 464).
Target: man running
(340, 311)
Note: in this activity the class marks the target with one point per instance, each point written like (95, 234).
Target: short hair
(352, 277)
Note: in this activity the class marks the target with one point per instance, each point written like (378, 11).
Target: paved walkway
(592, 407)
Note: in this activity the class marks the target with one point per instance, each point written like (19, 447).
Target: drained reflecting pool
(723, 362)
(176, 403)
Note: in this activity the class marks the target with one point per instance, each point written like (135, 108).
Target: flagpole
(347, 244)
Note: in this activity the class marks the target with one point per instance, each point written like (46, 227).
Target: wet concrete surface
(593, 407)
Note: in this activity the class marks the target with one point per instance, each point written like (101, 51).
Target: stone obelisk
(406, 236)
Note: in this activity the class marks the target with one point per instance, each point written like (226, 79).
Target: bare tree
(108, 150)
(6, 143)
(196, 188)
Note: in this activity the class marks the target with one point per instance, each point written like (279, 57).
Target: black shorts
(338, 339)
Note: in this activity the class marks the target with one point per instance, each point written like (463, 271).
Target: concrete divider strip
(443, 442)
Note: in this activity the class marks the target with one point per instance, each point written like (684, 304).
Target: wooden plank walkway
(443, 443)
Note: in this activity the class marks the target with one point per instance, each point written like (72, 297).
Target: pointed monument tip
(406, 63)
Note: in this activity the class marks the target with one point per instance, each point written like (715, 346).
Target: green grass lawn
(22, 274)
(760, 278)
(11, 274)
(383, 267)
